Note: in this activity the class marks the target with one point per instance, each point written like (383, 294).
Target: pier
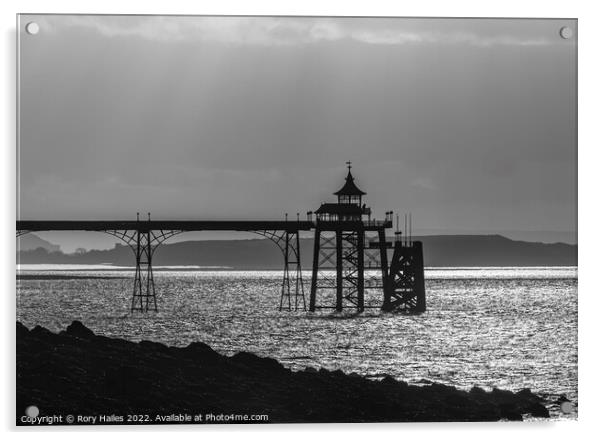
(351, 253)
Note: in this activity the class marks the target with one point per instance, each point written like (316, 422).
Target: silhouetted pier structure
(351, 256)
(144, 236)
(349, 247)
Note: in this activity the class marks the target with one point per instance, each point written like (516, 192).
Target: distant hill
(439, 250)
(494, 250)
(31, 241)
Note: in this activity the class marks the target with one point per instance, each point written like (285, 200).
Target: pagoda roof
(336, 208)
(350, 188)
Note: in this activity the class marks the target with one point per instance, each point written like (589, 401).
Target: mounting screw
(566, 32)
(32, 28)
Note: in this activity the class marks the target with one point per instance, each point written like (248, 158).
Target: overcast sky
(468, 124)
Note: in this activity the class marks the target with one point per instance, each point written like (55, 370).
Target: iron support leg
(144, 297)
(286, 282)
(291, 251)
(339, 257)
(299, 281)
(314, 272)
(384, 268)
(360, 271)
(419, 278)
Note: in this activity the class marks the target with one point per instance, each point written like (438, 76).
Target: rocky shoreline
(106, 381)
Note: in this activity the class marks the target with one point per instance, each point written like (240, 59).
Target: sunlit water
(509, 328)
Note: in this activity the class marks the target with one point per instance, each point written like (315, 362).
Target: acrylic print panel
(311, 219)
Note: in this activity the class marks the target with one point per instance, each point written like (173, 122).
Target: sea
(504, 327)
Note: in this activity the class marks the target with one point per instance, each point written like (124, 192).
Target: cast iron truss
(347, 265)
(144, 237)
(404, 290)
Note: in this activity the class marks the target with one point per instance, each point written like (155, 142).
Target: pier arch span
(144, 237)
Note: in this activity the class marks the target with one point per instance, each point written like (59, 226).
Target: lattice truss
(292, 294)
(350, 257)
(355, 273)
(376, 267)
(327, 261)
(144, 243)
(403, 289)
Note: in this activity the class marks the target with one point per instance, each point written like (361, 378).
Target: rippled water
(511, 328)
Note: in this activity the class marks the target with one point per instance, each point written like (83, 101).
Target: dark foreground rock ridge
(76, 372)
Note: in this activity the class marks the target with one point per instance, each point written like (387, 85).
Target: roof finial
(348, 165)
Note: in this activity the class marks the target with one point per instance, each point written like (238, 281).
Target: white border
(589, 199)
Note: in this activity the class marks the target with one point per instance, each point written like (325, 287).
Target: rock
(561, 398)
(458, 400)
(79, 330)
(509, 412)
(123, 381)
(538, 410)
(42, 332)
(526, 393)
(502, 394)
(338, 373)
(21, 330)
(441, 388)
(157, 346)
(388, 380)
(477, 391)
(201, 351)
(402, 383)
(251, 359)
(75, 369)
